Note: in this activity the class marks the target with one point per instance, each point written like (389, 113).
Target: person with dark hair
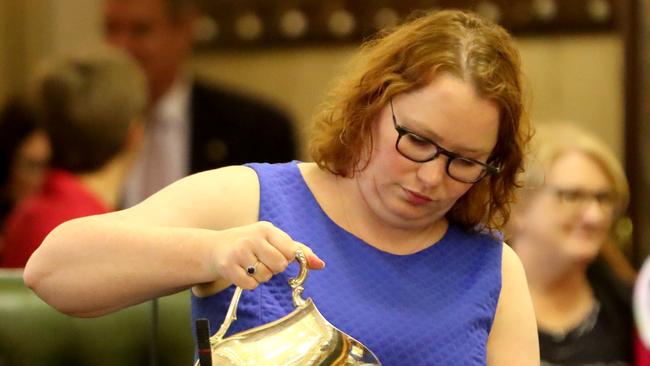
(192, 125)
(574, 189)
(91, 106)
(24, 155)
(416, 155)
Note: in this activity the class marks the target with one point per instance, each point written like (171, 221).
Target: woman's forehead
(579, 169)
(450, 111)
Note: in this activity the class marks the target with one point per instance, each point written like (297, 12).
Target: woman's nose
(433, 172)
(596, 212)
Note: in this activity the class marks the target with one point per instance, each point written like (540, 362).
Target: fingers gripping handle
(295, 283)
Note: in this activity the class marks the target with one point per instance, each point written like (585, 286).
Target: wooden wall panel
(286, 23)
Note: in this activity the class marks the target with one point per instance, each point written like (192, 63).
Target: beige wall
(11, 46)
(76, 23)
(27, 32)
(579, 78)
(4, 38)
(31, 30)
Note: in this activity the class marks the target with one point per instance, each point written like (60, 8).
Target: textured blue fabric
(434, 307)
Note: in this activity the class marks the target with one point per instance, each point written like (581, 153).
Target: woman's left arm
(513, 338)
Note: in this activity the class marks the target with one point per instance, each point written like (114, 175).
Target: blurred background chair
(33, 333)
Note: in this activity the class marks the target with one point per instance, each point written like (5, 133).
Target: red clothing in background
(641, 352)
(62, 198)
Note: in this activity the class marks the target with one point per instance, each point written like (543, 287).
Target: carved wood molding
(636, 30)
(287, 23)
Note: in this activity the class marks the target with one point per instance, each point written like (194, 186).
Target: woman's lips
(416, 198)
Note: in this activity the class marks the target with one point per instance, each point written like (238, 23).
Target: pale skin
(204, 230)
(147, 31)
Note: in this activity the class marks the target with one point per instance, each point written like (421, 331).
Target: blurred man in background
(191, 126)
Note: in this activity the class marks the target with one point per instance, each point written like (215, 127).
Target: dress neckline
(311, 198)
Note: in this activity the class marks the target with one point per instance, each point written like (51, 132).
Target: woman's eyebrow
(433, 136)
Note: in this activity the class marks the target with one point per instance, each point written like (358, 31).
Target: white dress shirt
(165, 153)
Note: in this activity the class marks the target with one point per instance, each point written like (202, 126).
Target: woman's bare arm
(513, 338)
(200, 229)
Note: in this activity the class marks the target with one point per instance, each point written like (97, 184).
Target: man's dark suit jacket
(230, 129)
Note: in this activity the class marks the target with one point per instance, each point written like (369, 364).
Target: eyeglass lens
(580, 197)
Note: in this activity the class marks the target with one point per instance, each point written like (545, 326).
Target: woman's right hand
(260, 248)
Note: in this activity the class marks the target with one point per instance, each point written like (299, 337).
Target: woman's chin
(584, 257)
(414, 219)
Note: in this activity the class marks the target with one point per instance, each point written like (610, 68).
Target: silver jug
(301, 338)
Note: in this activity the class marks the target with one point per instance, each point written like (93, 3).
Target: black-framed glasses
(420, 149)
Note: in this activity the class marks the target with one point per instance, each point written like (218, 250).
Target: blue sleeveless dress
(434, 307)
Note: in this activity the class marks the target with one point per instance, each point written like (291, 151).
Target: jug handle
(295, 283)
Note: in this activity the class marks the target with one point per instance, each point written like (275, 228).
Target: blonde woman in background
(574, 189)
